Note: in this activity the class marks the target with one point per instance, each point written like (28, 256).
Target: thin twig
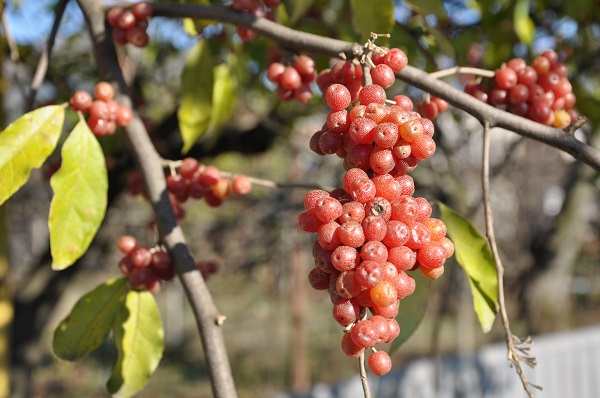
(12, 45)
(172, 165)
(462, 70)
(363, 375)
(518, 350)
(42, 67)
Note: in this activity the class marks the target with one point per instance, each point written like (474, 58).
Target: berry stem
(513, 343)
(363, 375)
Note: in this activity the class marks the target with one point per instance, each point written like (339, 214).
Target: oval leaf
(223, 96)
(196, 94)
(138, 335)
(475, 257)
(25, 144)
(80, 195)
(524, 26)
(412, 310)
(376, 16)
(90, 320)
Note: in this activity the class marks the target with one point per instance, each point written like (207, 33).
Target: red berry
(372, 94)
(127, 244)
(142, 10)
(337, 97)
(380, 363)
(81, 101)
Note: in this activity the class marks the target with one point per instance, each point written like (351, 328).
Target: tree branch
(42, 67)
(150, 165)
(313, 43)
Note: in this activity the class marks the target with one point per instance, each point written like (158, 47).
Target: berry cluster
(130, 25)
(372, 232)
(293, 81)
(104, 113)
(349, 74)
(258, 8)
(147, 268)
(374, 135)
(540, 92)
(195, 180)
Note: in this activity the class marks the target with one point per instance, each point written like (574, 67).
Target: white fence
(568, 367)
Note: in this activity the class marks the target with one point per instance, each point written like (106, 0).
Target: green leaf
(474, 255)
(224, 96)
(427, 7)
(412, 310)
(524, 26)
(139, 338)
(90, 320)
(80, 195)
(376, 16)
(25, 144)
(196, 94)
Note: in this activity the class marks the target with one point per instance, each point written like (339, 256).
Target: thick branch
(313, 43)
(150, 166)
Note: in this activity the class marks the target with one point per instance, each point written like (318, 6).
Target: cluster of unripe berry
(258, 8)
(350, 74)
(195, 180)
(372, 232)
(146, 268)
(540, 92)
(104, 113)
(130, 25)
(293, 80)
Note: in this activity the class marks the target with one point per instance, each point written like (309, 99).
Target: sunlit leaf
(80, 195)
(90, 320)
(224, 96)
(376, 16)
(196, 94)
(474, 255)
(412, 310)
(138, 335)
(524, 26)
(25, 144)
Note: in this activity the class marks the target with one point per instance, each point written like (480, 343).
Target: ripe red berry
(337, 97)
(372, 94)
(81, 101)
(380, 363)
(142, 10)
(127, 244)
(241, 184)
(126, 20)
(396, 59)
(123, 116)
